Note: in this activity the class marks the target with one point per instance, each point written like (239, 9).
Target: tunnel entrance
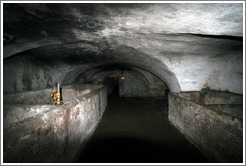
(135, 127)
(112, 84)
(137, 130)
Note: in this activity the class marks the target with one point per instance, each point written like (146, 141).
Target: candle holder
(58, 99)
(56, 96)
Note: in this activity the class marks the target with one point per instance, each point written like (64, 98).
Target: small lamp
(122, 77)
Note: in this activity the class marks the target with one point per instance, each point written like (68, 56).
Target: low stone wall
(47, 133)
(217, 134)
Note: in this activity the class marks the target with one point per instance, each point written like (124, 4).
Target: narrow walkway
(137, 130)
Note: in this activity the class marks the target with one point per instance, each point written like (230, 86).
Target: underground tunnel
(122, 83)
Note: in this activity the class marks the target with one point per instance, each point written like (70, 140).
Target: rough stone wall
(47, 133)
(170, 40)
(43, 96)
(209, 97)
(83, 119)
(223, 102)
(136, 85)
(26, 74)
(219, 136)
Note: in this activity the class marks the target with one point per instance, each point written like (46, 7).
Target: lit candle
(58, 88)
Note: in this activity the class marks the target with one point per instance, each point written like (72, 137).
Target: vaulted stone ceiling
(189, 46)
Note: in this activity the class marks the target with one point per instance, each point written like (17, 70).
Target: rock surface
(48, 133)
(217, 133)
(189, 46)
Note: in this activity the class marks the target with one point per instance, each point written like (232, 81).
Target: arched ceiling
(186, 45)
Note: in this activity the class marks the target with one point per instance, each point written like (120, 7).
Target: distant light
(122, 78)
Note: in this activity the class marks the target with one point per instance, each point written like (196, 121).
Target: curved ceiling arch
(169, 79)
(75, 58)
(101, 72)
(169, 40)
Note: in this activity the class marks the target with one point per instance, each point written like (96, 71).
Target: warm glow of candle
(122, 78)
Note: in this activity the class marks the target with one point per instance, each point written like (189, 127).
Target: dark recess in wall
(112, 84)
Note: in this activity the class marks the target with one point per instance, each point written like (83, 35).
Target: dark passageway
(112, 84)
(138, 130)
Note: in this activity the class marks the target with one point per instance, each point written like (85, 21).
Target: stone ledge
(54, 134)
(217, 135)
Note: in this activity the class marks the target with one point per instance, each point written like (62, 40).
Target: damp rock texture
(44, 133)
(215, 128)
(136, 85)
(188, 46)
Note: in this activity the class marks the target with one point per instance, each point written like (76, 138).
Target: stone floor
(137, 130)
